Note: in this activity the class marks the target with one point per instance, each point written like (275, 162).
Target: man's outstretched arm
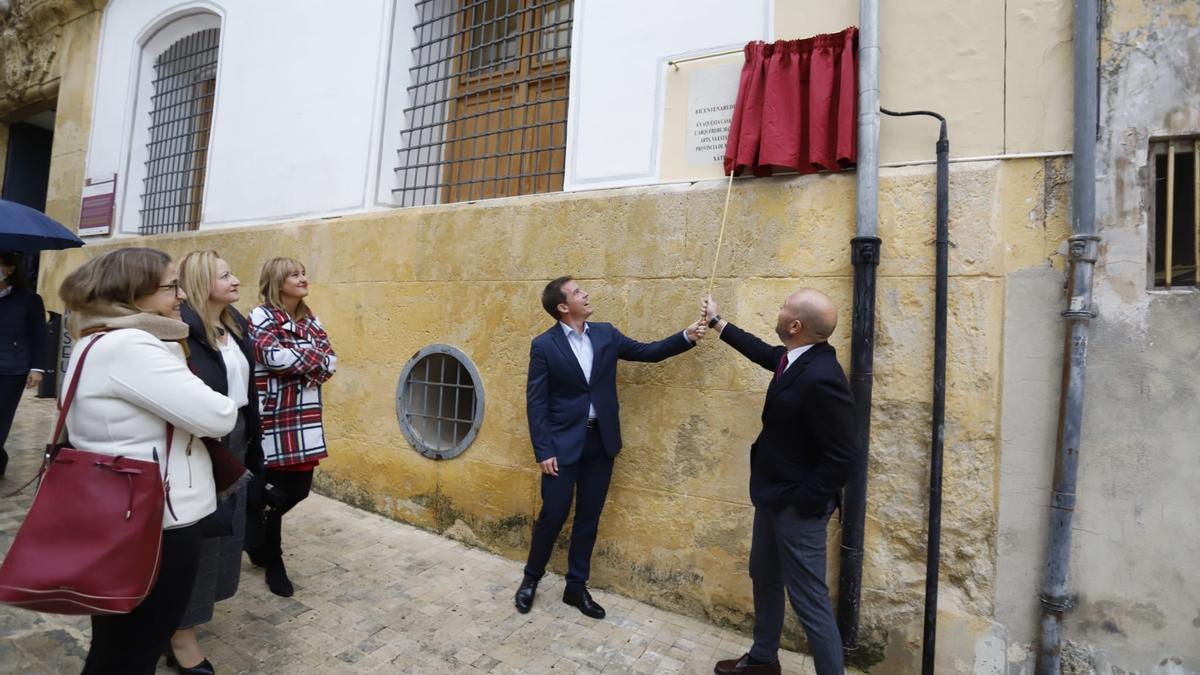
(653, 352)
(748, 345)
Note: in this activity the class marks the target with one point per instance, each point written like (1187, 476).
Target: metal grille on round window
(439, 402)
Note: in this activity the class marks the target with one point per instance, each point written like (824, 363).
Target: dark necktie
(783, 363)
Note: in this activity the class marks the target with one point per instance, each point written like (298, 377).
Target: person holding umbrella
(26, 229)
(23, 356)
(22, 342)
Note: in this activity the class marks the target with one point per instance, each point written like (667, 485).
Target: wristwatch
(712, 323)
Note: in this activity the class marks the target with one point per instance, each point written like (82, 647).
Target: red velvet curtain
(796, 106)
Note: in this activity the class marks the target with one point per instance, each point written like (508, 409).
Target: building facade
(435, 162)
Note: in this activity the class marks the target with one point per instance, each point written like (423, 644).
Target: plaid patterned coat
(292, 359)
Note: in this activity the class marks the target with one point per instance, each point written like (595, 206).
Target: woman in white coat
(135, 382)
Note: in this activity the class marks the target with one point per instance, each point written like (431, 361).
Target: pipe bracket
(1079, 307)
(1083, 248)
(1062, 500)
(865, 250)
(1056, 603)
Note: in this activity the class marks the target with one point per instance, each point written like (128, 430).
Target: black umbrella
(26, 229)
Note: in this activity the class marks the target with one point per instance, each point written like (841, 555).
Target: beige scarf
(120, 316)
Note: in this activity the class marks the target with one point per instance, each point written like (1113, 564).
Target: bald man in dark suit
(798, 465)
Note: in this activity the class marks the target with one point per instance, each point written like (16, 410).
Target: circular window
(439, 401)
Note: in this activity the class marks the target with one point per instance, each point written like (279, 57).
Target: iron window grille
(1175, 249)
(439, 402)
(487, 113)
(181, 111)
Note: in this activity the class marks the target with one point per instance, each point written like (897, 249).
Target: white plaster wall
(298, 120)
(1134, 543)
(618, 51)
(399, 60)
(309, 106)
(1033, 343)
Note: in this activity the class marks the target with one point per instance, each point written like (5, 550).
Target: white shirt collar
(794, 354)
(567, 330)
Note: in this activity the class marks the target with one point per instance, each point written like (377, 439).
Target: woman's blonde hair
(274, 272)
(197, 271)
(115, 278)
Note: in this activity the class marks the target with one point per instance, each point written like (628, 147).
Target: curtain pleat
(796, 106)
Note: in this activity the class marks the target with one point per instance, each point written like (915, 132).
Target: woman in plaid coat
(293, 358)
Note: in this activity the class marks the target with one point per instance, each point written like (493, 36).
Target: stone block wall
(676, 528)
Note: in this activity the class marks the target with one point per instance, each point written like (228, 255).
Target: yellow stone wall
(48, 53)
(73, 117)
(999, 71)
(676, 530)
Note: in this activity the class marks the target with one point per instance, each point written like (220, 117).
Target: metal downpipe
(865, 258)
(933, 554)
(1084, 245)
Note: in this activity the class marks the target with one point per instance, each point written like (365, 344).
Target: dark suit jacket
(557, 394)
(23, 333)
(805, 451)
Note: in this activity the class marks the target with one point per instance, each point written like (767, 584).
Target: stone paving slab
(377, 596)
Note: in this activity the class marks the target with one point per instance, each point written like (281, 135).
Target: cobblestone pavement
(377, 596)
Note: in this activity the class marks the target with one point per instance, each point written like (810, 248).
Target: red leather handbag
(92, 539)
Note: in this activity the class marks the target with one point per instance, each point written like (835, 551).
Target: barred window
(487, 113)
(181, 112)
(1175, 250)
(439, 402)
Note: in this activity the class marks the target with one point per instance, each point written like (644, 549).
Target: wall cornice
(30, 45)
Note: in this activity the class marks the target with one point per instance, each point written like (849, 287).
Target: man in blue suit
(574, 424)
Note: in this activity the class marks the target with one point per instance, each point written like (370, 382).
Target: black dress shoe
(743, 666)
(202, 668)
(3, 461)
(278, 582)
(582, 600)
(525, 593)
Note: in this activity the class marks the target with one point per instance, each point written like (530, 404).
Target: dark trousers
(11, 387)
(264, 523)
(788, 552)
(589, 477)
(131, 644)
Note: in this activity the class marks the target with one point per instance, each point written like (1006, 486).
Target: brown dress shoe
(742, 666)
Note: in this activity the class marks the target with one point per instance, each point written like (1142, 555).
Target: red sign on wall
(96, 207)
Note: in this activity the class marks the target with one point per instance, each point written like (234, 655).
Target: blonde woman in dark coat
(220, 354)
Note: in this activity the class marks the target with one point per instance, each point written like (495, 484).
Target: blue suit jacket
(557, 394)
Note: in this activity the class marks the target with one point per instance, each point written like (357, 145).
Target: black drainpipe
(864, 255)
(933, 554)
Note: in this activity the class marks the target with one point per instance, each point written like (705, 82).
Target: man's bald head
(816, 313)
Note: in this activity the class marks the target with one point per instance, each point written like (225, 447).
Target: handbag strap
(63, 407)
(70, 397)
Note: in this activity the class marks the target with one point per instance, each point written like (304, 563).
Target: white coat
(132, 385)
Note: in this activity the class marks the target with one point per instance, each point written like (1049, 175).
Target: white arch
(158, 34)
